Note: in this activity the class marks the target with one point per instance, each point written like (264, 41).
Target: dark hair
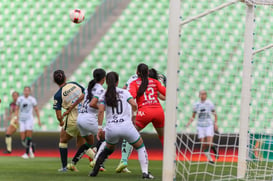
(27, 87)
(59, 77)
(153, 73)
(98, 75)
(15, 92)
(111, 93)
(142, 72)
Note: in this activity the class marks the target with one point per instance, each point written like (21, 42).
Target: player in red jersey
(145, 90)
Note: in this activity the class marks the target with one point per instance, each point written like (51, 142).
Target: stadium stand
(36, 39)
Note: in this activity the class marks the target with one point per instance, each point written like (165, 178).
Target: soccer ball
(76, 16)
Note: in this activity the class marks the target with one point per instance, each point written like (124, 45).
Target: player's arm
(133, 104)
(215, 120)
(191, 119)
(16, 113)
(78, 101)
(38, 115)
(161, 97)
(59, 117)
(100, 120)
(161, 89)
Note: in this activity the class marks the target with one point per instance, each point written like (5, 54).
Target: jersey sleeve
(194, 108)
(57, 104)
(18, 102)
(98, 93)
(212, 107)
(133, 89)
(161, 88)
(128, 96)
(34, 102)
(80, 86)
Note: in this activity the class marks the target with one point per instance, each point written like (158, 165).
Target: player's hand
(39, 123)
(66, 113)
(215, 127)
(61, 123)
(99, 134)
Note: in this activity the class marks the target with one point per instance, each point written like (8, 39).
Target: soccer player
(87, 121)
(205, 126)
(13, 125)
(126, 148)
(24, 111)
(146, 90)
(117, 103)
(69, 95)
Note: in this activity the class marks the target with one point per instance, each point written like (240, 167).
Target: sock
(24, 143)
(143, 158)
(207, 153)
(29, 143)
(90, 153)
(103, 155)
(161, 140)
(63, 153)
(99, 144)
(81, 151)
(126, 151)
(101, 148)
(8, 141)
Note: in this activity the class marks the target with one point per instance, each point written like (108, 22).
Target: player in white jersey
(87, 120)
(118, 103)
(24, 112)
(205, 125)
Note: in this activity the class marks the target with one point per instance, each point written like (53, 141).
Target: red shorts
(153, 115)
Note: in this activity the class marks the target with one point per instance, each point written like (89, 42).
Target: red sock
(161, 140)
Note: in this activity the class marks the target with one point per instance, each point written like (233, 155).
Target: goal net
(213, 51)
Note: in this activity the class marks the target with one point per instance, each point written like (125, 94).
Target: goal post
(171, 96)
(219, 59)
(246, 91)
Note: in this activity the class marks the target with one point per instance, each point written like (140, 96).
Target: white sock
(102, 146)
(208, 155)
(90, 153)
(143, 159)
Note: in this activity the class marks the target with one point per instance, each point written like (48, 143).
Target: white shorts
(205, 131)
(87, 126)
(26, 124)
(128, 132)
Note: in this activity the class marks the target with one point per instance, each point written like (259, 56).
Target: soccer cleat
(31, 154)
(62, 170)
(121, 166)
(126, 170)
(147, 176)
(72, 167)
(211, 162)
(7, 152)
(25, 156)
(92, 164)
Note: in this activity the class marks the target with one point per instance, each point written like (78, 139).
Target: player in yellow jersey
(69, 95)
(13, 124)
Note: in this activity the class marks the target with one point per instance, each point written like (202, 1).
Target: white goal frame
(169, 152)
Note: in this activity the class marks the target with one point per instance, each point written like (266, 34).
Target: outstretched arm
(191, 119)
(133, 103)
(38, 115)
(100, 120)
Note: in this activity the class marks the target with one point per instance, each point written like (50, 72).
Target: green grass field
(39, 169)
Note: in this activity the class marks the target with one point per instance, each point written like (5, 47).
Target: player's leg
(81, 151)
(29, 142)
(158, 123)
(64, 138)
(108, 150)
(8, 139)
(204, 145)
(142, 153)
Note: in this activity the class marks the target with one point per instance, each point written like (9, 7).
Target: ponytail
(98, 75)
(142, 72)
(111, 93)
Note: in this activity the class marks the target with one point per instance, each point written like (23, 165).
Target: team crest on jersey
(140, 113)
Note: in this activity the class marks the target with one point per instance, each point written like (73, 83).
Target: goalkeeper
(205, 126)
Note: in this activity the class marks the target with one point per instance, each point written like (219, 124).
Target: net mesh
(212, 60)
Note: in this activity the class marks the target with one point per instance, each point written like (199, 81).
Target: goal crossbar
(263, 49)
(208, 12)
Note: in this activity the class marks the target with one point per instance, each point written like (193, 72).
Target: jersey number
(150, 96)
(119, 108)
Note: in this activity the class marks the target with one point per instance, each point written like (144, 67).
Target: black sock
(81, 151)
(63, 153)
(33, 147)
(29, 143)
(214, 150)
(99, 143)
(104, 154)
